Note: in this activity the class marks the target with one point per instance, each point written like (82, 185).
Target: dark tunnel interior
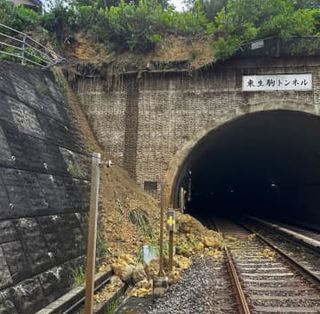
(266, 164)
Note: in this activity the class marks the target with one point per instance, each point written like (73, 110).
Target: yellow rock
(182, 262)
(123, 270)
(215, 253)
(267, 253)
(142, 289)
(138, 274)
(210, 241)
(173, 277)
(188, 224)
(152, 268)
(129, 259)
(199, 246)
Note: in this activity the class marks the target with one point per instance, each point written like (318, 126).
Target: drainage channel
(72, 301)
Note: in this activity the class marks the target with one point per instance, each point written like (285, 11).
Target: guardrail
(280, 47)
(18, 46)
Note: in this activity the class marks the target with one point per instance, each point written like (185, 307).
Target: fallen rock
(210, 241)
(138, 274)
(188, 224)
(152, 269)
(182, 262)
(173, 277)
(123, 269)
(141, 289)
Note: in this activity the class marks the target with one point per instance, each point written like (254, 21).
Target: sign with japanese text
(298, 82)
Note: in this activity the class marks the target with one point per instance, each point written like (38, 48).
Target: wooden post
(161, 272)
(92, 233)
(171, 246)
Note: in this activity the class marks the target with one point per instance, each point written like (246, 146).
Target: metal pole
(92, 234)
(23, 49)
(182, 200)
(161, 272)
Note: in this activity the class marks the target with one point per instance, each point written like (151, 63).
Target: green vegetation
(138, 25)
(140, 219)
(78, 276)
(74, 169)
(246, 20)
(113, 305)
(18, 17)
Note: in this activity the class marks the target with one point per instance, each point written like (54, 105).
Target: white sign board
(257, 44)
(298, 82)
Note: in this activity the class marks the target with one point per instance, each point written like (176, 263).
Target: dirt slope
(120, 196)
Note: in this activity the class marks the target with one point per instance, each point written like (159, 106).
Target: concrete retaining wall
(43, 191)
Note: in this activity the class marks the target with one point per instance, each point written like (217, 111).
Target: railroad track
(305, 254)
(265, 279)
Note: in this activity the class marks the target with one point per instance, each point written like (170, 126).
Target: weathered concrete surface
(43, 190)
(152, 121)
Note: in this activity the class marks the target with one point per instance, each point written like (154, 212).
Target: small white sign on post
(297, 82)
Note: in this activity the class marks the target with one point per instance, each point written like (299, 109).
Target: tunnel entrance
(266, 164)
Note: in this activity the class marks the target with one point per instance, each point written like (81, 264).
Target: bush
(246, 20)
(18, 17)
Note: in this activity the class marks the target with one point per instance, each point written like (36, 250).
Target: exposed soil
(119, 194)
(173, 52)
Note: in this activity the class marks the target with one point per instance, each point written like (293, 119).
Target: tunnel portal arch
(179, 161)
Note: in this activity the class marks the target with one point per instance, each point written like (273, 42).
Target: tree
(245, 20)
(212, 7)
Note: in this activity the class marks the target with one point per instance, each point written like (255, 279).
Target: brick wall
(145, 129)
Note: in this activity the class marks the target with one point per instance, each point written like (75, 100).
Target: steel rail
(307, 274)
(242, 300)
(292, 235)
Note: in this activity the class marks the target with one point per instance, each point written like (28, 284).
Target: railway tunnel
(266, 164)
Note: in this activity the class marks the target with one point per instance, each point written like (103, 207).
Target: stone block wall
(144, 120)
(44, 191)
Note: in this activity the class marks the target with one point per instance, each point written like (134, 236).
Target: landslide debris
(129, 219)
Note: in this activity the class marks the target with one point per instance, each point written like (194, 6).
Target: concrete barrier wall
(44, 190)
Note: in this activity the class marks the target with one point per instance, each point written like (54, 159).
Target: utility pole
(92, 234)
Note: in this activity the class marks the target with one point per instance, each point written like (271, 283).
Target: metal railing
(20, 47)
(280, 47)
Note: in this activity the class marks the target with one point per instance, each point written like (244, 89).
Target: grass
(113, 306)
(78, 276)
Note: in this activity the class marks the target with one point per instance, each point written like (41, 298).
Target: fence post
(23, 49)
(161, 271)
(92, 233)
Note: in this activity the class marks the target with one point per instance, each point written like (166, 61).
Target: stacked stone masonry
(43, 191)
(148, 125)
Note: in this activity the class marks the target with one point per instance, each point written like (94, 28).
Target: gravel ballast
(204, 288)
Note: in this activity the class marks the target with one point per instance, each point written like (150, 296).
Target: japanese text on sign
(300, 82)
